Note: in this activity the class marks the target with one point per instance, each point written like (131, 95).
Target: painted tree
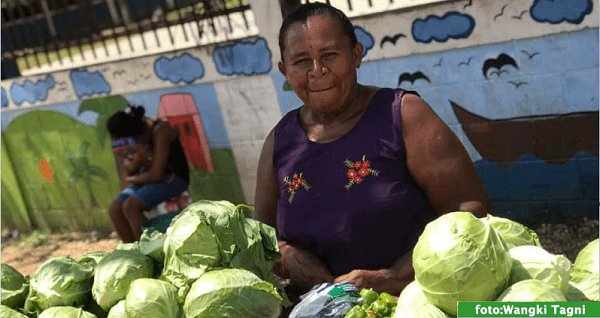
(83, 170)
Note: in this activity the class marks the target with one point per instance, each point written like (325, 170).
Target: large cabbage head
(454, 255)
(149, 297)
(232, 293)
(115, 272)
(202, 236)
(537, 263)
(92, 258)
(60, 281)
(118, 310)
(585, 275)
(531, 290)
(14, 287)
(412, 303)
(7, 312)
(66, 312)
(513, 233)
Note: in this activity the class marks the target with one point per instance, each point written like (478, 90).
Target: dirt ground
(27, 252)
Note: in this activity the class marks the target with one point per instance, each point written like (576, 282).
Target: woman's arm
(162, 137)
(439, 163)
(303, 268)
(122, 173)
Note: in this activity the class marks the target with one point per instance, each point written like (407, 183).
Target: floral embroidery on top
(357, 171)
(294, 184)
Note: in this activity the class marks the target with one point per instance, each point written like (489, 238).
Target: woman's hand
(303, 268)
(390, 280)
(383, 280)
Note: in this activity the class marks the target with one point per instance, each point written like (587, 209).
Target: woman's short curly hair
(307, 10)
(126, 123)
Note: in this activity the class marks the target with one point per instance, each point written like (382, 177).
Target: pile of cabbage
(460, 257)
(213, 261)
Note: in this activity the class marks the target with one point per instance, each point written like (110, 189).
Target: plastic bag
(327, 301)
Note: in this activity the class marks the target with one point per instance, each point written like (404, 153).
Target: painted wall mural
(243, 58)
(558, 11)
(183, 68)
(31, 92)
(527, 115)
(365, 39)
(4, 98)
(88, 83)
(452, 25)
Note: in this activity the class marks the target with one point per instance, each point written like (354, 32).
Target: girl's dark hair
(127, 122)
(307, 10)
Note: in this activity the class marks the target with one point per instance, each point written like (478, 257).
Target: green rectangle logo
(528, 309)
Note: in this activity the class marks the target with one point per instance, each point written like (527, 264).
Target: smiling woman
(350, 178)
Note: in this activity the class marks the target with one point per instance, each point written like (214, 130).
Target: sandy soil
(27, 254)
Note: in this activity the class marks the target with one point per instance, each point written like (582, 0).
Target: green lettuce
(232, 293)
(15, 287)
(115, 272)
(458, 257)
(217, 234)
(7, 312)
(60, 281)
(118, 310)
(513, 233)
(585, 275)
(413, 303)
(149, 297)
(532, 290)
(65, 312)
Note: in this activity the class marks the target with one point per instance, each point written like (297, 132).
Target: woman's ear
(357, 54)
(281, 67)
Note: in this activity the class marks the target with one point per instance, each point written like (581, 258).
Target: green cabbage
(513, 233)
(535, 262)
(585, 275)
(60, 281)
(65, 312)
(458, 257)
(149, 297)
(92, 258)
(216, 234)
(115, 272)
(412, 303)
(232, 293)
(14, 287)
(7, 312)
(532, 290)
(118, 310)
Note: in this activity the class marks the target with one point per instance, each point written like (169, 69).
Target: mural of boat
(552, 138)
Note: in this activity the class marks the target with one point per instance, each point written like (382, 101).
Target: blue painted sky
(558, 11)
(561, 78)
(30, 91)
(184, 67)
(243, 58)
(88, 84)
(365, 38)
(453, 25)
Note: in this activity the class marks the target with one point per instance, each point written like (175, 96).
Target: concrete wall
(517, 81)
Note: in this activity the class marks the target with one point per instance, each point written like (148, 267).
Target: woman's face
(320, 63)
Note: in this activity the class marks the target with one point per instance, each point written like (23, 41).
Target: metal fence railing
(355, 8)
(47, 35)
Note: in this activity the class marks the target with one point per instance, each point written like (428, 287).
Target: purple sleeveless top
(351, 202)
